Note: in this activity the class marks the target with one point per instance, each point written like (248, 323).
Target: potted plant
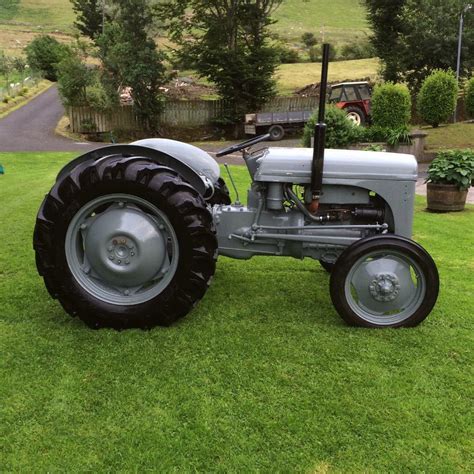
(450, 175)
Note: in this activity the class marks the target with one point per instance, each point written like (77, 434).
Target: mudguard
(194, 164)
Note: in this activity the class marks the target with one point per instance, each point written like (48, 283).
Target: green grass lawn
(459, 135)
(262, 376)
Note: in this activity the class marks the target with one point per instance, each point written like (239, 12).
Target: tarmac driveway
(31, 127)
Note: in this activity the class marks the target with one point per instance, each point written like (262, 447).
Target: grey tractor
(129, 235)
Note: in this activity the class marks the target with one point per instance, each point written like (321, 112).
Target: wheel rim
(276, 133)
(122, 249)
(354, 117)
(385, 288)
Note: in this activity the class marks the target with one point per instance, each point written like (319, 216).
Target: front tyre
(384, 281)
(125, 243)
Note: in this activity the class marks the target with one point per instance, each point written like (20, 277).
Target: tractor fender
(199, 176)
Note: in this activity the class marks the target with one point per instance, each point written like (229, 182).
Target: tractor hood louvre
(293, 165)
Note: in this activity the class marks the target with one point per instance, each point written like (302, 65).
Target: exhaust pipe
(319, 137)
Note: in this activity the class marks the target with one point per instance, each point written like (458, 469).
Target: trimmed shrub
(340, 131)
(438, 96)
(470, 98)
(44, 54)
(391, 105)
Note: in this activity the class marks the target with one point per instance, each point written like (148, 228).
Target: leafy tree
(387, 20)
(415, 37)
(44, 53)
(437, 98)
(130, 58)
(90, 16)
(228, 42)
(73, 79)
(470, 97)
(6, 66)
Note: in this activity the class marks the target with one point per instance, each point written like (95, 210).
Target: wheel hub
(384, 287)
(125, 247)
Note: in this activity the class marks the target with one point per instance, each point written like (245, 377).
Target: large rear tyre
(384, 281)
(125, 243)
(355, 115)
(221, 194)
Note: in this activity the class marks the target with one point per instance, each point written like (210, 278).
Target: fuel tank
(293, 165)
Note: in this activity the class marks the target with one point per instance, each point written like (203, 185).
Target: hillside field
(338, 21)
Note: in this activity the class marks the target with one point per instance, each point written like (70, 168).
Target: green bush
(98, 98)
(470, 98)
(437, 98)
(287, 55)
(391, 105)
(393, 136)
(340, 131)
(6, 99)
(73, 79)
(453, 167)
(44, 54)
(357, 50)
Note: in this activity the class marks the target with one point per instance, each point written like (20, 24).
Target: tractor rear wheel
(384, 281)
(355, 115)
(125, 243)
(221, 194)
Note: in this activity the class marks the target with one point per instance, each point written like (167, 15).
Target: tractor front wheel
(125, 243)
(384, 281)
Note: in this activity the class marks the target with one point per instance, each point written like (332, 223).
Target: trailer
(276, 124)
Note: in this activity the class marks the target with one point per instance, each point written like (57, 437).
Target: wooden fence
(176, 113)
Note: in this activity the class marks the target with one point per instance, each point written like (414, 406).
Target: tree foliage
(470, 98)
(228, 42)
(415, 37)
(437, 98)
(130, 57)
(44, 54)
(73, 79)
(90, 16)
(391, 105)
(387, 20)
(128, 54)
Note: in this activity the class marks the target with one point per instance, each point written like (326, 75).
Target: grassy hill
(335, 20)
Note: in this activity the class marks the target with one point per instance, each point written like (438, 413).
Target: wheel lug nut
(111, 257)
(133, 254)
(119, 261)
(127, 262)
(110, 249)
(161, 227)
(126, 292)
(83, 226)
(121, 204)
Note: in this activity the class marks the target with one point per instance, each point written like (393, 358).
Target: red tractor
(354, 98)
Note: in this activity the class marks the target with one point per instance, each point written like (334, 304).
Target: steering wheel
(243, 145)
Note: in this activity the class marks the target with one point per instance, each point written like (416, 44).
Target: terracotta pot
(445, 198)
